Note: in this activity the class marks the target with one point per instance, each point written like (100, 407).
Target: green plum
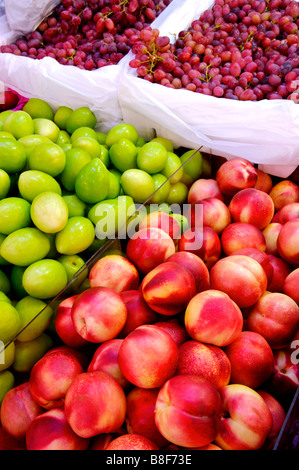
(7, 381)
(31, 183)
(28, 353)
(7, 355)
(92, 182)
(182, 220)
(88, 144)
(5, 284)
(14, 214)
(120, 131)
(6, 135)
(152, 157)
(110, 216)
(30, 141)
(3, 116)
(19, 124)
(76, 207)
(76, 237)
(35, 316)
(81, 117)
(123, 155)
(76, 159)
(162, 188)
(114, 184)
(49, 212)
(66, 147)
(61, 116)
(101, 136)
(84, 132)
(140, 141)
(173, 169)
(192, 168)
(49, 158)
(138, 184)
(10, 322)
(44, 279)
(16, 277)
(63, 138)
(4, 298)
(3, 262)
(25, 246)
(105, 157)
(38, 108)
(46, 128)
(13, 156)
(178, 193)
(74, 266)
(4, 184)
(166, 142)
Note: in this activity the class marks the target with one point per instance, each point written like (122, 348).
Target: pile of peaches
(182, 341)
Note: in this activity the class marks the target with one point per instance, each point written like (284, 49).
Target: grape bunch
(244, 50)
(88, 34)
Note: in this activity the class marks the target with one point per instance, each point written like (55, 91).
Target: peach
(131, 442)
(241, 277)
(175, 329)
(140, 418)
(188, 410)
(259, 256)
(148, 356)
(163, 221)
(281, 270)
(138, 312)
(194, 264)
(105, 359)
(246, 420)
(276, 317)
(8, 442)
(251, 359)
(215, 214)
(290, 285)
(234, 175)
(64, 324)
(168, 288)
(51, 431)
(18, 409)
(264, 181)
(271, 233)
(286, 213)
(277, 412)
(288, 242)
(78, 354)
(242, 235)
(51, 377)
(211, 362)
(99, 314)
(148, 248)
(95, 403)
(284, 380)
(253, 207)
(208, 447)
(213, 317)
(203, 242)
(284, 192)
(115, 272)
(204, 188)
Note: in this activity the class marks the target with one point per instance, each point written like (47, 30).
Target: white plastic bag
(264, 132)
(25, 16)
(55, 83)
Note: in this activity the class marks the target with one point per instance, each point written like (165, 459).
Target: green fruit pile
(57, 175)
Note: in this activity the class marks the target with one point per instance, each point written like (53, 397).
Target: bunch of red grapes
(89, 34)
(244, 50)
